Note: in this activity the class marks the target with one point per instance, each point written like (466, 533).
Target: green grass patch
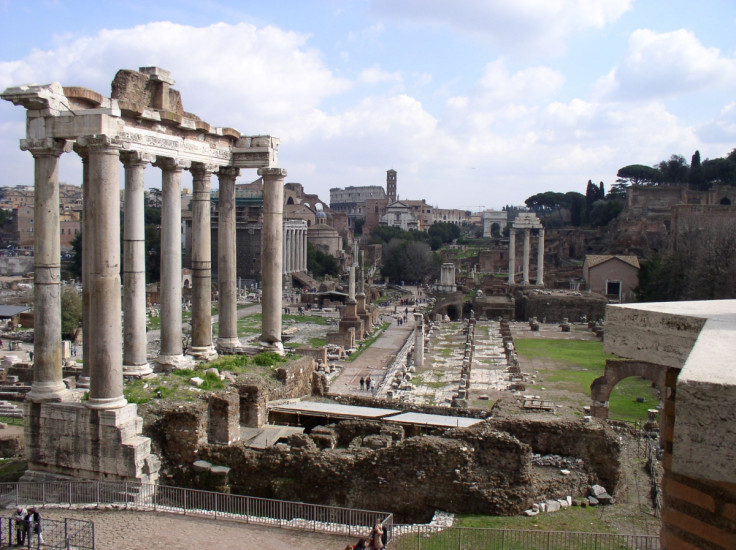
(12, 420)
(11, 470)
(582, 362)
(317, 342)
(582, 520)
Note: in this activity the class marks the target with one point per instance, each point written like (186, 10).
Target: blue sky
(474, 103)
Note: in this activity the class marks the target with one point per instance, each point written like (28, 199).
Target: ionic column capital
(46, 146)
(168, 164)
(228, 172)
(272, 172)
(100, 142)
(203, 170)
(136, 158)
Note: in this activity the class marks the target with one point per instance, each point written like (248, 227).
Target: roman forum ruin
(142, 123)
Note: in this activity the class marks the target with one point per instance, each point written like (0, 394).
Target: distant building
(352, 200)
(450, 215)
(399, 214)
(616, 277)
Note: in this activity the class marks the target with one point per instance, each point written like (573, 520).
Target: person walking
(362, 383)
(368, 383)
(373, 387)
(377, 536)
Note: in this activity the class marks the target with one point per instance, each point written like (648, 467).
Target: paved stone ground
(141, 531)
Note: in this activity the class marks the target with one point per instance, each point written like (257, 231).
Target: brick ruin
(487, 469)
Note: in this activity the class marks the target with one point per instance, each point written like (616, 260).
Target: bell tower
(391, 185)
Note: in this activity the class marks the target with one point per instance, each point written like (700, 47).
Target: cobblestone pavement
(147, 530)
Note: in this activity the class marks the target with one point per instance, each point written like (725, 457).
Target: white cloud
(375, 75)
(528, 26)
(666, 64)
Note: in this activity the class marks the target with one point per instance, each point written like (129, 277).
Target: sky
(476, 104)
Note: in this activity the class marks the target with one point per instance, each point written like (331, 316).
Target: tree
(321, 263)
(75, 264)
(638, 174)
(408, 261)
(71, 312)
(674, 170)
(576, 204)
(696, 172)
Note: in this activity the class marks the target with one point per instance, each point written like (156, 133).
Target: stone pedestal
(71, 440)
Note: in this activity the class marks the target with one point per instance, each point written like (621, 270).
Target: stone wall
(552, 308)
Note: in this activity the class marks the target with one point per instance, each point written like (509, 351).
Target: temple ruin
(142, 123)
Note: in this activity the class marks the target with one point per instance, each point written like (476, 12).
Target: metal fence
(161, 498)
(68, 533)
(424, 537)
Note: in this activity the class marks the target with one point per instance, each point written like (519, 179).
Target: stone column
(135, 362)
(105, 330)
(227, 339)
(171, 355)
(287, 249)
(351, 284)
(47, 360)
(525, 280)
(202, 347)
(540, 258)
(418, 339)
(83, 379)
(512, 256)
(302, 249)
(273, 214)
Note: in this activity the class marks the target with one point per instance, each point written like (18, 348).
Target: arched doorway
(600, 389)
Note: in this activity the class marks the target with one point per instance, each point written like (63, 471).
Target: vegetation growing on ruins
(365, 344)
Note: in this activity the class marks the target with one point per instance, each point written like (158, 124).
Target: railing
(161, 498)
(67, 533)
(425, 537)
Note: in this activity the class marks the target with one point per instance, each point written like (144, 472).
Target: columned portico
(526, 222)
(47, 377)
(202, 347)
(227, 339)
(135, 362)
(144, 120)
(171, 355)
(273, 208)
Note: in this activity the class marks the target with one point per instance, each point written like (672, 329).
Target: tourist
(377, 536)
(33, 518)
(368, 383)
(30, 355)
(373, 387)
(362, 383)
(361, 545)
(21, 526)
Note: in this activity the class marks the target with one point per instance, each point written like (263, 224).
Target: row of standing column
(525, 265)
(106, 358)
(295, 249)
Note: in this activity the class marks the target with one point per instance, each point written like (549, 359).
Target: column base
(106, 403)
(168, 362)
(275, 347)
(137, 371)
(203, 353)
(49, 392)
(228, 346)
(83, 382)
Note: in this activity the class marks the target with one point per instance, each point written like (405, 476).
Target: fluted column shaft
(47, 361)
(512, 256)
(273, 214)
(135, 362)
(105, 331)
(227, 339)
(201, 263)
(171, 353)
(540, 258)
(525, 281)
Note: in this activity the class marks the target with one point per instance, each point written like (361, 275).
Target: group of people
(27, 523)
(377, 540)
(368, 384)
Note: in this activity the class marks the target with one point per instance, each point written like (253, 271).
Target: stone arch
(725, 201)
(600, 389)
(495, 229)
(290, 200)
